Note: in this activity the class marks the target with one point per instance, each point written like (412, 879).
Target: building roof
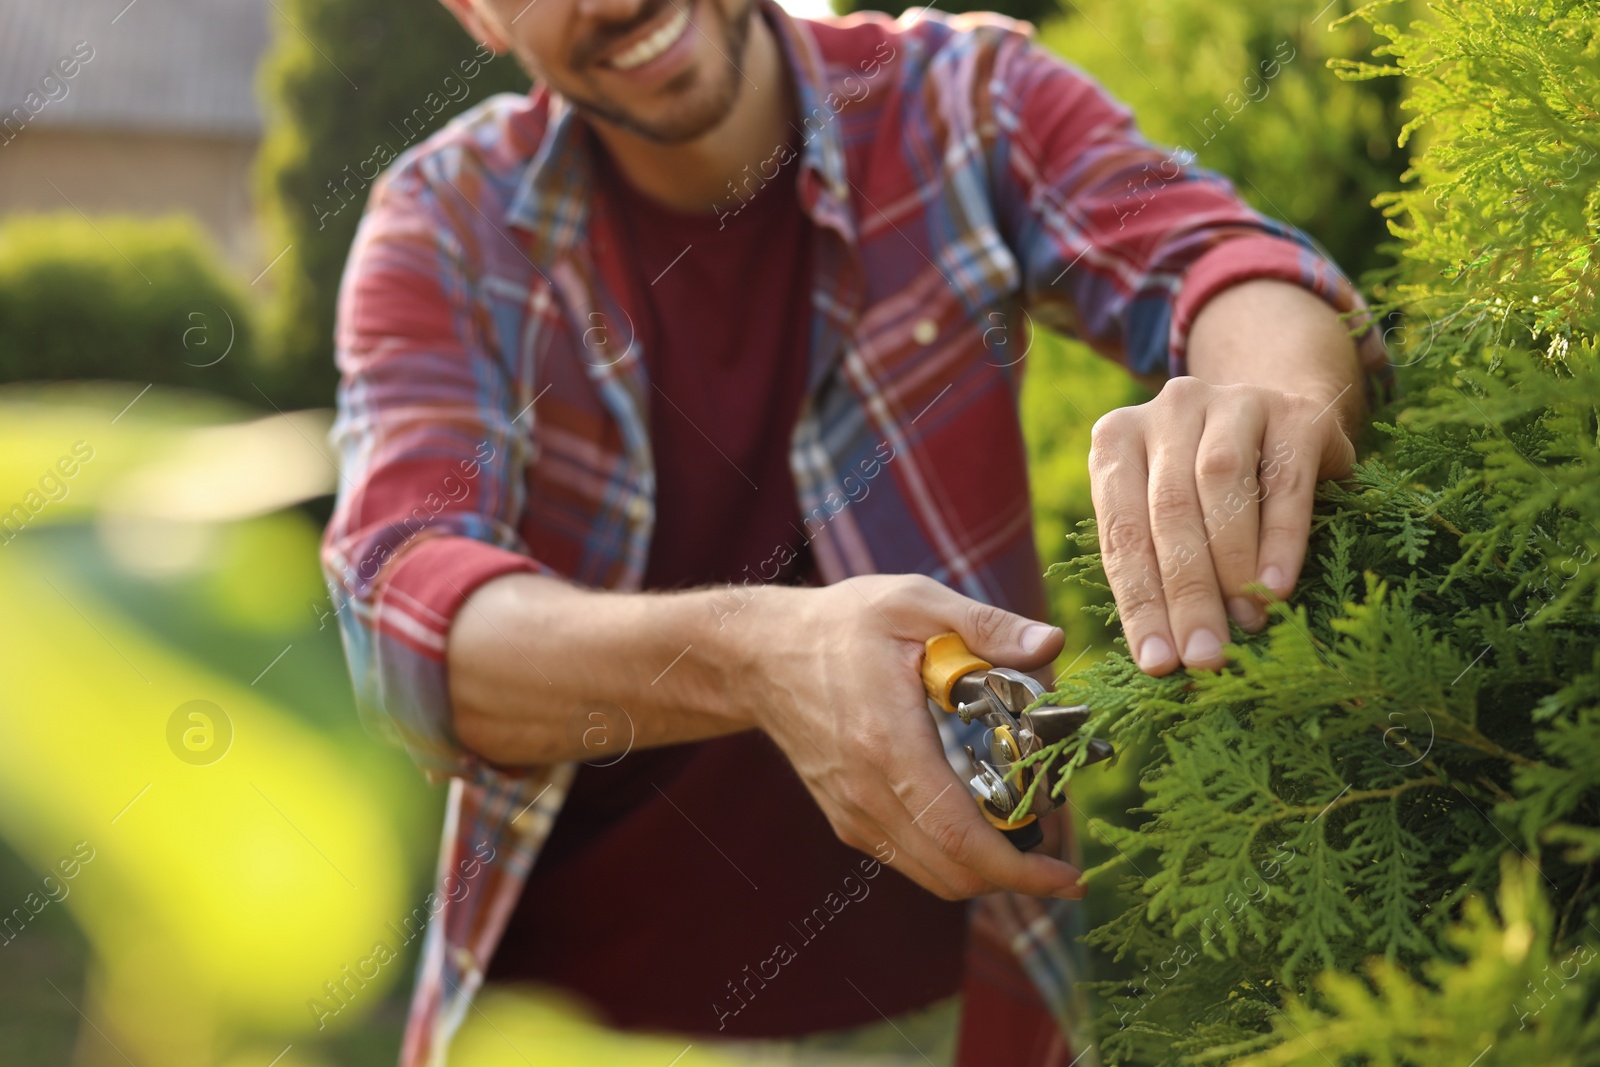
(181, 66)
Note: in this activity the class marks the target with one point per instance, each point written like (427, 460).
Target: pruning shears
(960, 683)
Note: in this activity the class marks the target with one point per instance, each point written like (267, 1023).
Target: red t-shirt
(697, 887)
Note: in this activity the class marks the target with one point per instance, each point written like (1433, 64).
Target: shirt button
(638, 510)
(925, 331)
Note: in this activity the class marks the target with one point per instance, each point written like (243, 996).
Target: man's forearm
(1280, 336)
(832, 674)
(542, 670)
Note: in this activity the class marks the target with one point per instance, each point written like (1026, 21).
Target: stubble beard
(706, 108)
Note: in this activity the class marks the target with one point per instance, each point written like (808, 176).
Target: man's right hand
(833, 675)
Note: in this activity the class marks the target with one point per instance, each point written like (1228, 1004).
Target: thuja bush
(1374, 837)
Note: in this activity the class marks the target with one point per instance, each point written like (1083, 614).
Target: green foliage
(1457, 1012)
(1499, 230)
(350, 84)
(1502, 207)
(1245, 87)
(121, 298)
(1357, 772)
(1323, 820)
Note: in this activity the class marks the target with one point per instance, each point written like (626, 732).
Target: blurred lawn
(220, 898)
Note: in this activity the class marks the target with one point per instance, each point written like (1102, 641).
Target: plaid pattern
(493, 413)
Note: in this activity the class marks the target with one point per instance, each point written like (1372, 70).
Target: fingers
(942, 842)
(891, 781)
(1199, 494)
(1054, 826)
(1227, 477)
(1001, 637)
(984, 858)
(1177, 528)
(947, 847)
(943, 830)
(1302, 452)
(1118, 487)
(994, 634)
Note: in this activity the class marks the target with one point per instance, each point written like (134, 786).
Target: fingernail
(1153, 653)
(1034, 635)
(1203, 647)
(1075, 891)
(1272, 578)
(1244, 611)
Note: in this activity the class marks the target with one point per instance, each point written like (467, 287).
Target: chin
(703, 109)
(693, 103)
(694, 111)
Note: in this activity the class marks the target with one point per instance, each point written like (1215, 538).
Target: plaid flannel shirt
(493, 411)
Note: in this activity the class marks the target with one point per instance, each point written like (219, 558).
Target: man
(674, 420)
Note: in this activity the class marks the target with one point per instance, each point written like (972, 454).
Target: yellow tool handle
(1002, 822)
(946, 659)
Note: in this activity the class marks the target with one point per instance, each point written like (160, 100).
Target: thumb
(1004, 638)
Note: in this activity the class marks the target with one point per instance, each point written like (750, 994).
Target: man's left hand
(1208, 489)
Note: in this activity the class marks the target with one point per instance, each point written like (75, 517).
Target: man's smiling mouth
(655, 44)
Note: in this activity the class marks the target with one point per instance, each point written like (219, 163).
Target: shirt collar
(552, 204)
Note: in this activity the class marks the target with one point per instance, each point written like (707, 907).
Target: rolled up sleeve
(1298, 262)
(1122, 242)
(431, 469)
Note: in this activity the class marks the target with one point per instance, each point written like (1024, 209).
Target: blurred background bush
(360, 82)
(81, 299)
(172, 231)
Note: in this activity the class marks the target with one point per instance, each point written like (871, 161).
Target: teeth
(655, 44)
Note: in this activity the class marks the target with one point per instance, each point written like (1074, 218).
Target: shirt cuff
(1248, 258)
(421, 593)
(429, 583)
